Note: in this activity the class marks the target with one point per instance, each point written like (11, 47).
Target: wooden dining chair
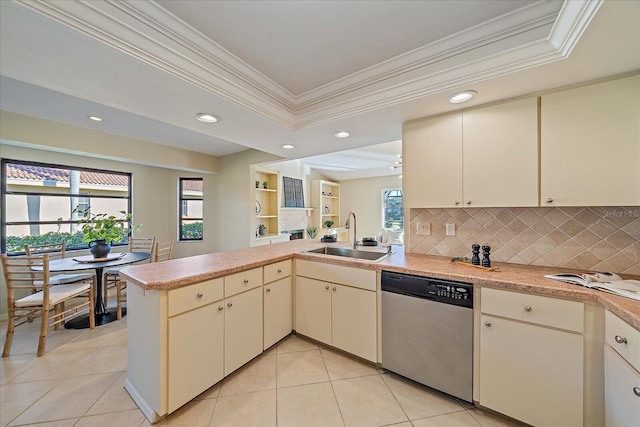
(161, 252)
(111, 276)
(24, 305)
(55, 251)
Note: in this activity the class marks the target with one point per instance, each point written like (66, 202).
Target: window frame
(183, 210)
(4, 192)
(382, 205)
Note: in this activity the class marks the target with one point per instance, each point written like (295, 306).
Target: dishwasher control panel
(440, 290)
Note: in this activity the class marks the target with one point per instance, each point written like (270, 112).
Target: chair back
(54, 250)
(163, 251)
(141, 244)
(19, 275)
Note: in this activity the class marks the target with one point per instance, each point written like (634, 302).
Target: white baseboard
(148, 412)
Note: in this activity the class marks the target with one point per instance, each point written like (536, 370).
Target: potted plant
(328, 223)
(312, 230)
(257, 184)
(265, 184)
(101, 230)
(262, 229)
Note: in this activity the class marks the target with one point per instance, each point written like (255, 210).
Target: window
(39, 199)
(191, 203)
(392, 211)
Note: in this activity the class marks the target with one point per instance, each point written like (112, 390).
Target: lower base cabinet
(242, 329)
(278, 316)
(341, 315)
(195, 354)
(531, 358)
(621, 383)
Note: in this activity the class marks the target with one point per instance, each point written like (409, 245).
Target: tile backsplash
(598, 238)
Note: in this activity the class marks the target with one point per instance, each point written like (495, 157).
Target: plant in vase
(100, 231)
(312, 230)
(328, 223)
(262, 229)
(257, 184)
(265, 185)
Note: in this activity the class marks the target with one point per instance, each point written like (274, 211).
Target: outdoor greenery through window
(191, 203)
(392, 211)
(42, 203)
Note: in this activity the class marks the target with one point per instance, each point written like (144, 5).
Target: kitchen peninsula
(180, 303)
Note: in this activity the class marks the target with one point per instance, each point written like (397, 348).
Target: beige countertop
(524, 278)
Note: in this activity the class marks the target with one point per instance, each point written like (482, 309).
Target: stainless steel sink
(350, 253)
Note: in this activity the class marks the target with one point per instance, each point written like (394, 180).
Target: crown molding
(525, 38)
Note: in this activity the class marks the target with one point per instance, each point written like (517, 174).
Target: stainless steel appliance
(427, 331)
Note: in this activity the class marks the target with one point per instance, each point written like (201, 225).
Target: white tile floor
(80, 379)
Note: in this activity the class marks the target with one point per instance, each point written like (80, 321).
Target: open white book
(608, 282)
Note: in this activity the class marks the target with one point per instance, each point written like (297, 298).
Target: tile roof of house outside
(40, 173)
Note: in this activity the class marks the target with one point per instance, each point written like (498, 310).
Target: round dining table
(102, 315)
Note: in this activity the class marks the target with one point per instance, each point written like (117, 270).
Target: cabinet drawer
(356, 277)
(194, 296)
(554, 312)
(243, 281)
(277, 271)
(628, 346)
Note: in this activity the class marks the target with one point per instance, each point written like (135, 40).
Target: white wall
(363, 197)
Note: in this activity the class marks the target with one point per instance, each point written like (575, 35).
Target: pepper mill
(486, 262)
(475, 251)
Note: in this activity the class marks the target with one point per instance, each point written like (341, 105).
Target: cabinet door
(590, 145)
(531, 373)
(313, 309)
(432, 162)
(621, 383)
(278, 307)
(500, 155)
(242, 329)
(195, 353)
(353, 321)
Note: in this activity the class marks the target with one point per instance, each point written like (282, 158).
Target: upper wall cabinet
(590, 149)
(479, 158)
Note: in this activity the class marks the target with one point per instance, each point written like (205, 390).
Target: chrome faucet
(348, 225)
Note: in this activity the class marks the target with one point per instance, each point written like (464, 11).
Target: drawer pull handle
(326, 287)
(279, 270)
(468, 202)
(268, 289)
(199, 295)
(621, 340)
(549, 200)
(527, 308)
(334, 288)
(636, 391)
(487, 324)
(246, 281)
(457, 202)
(220, 308)
(230, 304)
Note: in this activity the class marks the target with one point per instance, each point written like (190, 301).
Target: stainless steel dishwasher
(427, 331)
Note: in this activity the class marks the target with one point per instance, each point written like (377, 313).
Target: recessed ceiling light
(288, 147)
(459, 97)
(206, 118)
(342, 134)
(95, 118)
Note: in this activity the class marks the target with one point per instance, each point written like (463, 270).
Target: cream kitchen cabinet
(195, 353)
(590, 145)
(478, 158)
(622, 376)
(278, 302)
(531, 357)
(337, 305)
(242, 318)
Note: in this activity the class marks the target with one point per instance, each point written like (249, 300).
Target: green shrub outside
(192, 230)
(15, 244)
